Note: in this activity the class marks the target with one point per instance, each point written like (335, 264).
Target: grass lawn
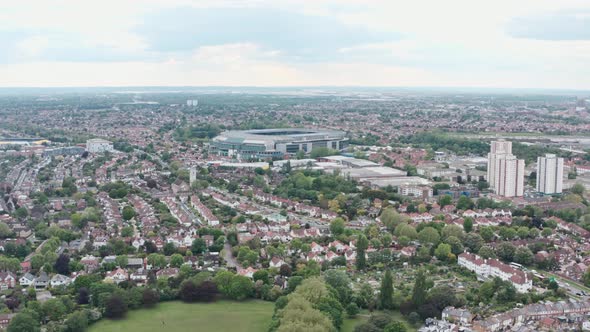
(249, 316)
(349, 323)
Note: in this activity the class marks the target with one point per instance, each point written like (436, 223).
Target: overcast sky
(471, 43)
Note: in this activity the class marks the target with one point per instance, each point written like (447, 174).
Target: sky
(418, 43)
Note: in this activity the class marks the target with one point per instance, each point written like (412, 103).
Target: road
(229, 258)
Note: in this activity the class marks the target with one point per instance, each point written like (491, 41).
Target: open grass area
(249, 316)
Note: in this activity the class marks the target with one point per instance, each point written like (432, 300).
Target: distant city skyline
(484, 44)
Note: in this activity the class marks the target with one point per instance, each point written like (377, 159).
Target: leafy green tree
(4, 230)
(352, 309)
(128, 212)
(445, 200)
(468, 224)
(487, 252)
(115, 307)
(127, 231)
(473, 241)
(391, 218)
(76, 322)
(157, 261)
(524, 256)
(340, 281)
(505, 251)
(578, 189)
(386, 294)
(452, 230)
(406, 230)
(456, 245)
(261, 275)
(443, 252)
(199, 246)
(176, 260)
(362, 244)
(240, 288)
(429, 235)
(337, 226)
(586, 278)
(487, 233)
(419, 290)
(24, 322)
(396, 326)
(465, 203)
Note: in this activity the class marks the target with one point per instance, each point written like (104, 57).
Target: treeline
(440, 141)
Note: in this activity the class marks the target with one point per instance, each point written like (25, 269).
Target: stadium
(274, 143)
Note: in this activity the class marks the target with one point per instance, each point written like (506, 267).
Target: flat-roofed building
(98, 145)
(550, 174)
(275, 143)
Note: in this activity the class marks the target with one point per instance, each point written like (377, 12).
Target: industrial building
(274, 143)
(98, 145)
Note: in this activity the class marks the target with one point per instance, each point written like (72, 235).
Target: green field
(250, 316)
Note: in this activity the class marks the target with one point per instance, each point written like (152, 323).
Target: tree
(473, 241)
(361, 245)
(419, 290)
(76, 322)
(223, 281)
(445, 200)
(391, 218)
(443, 252)
(24, 322)
(487, 233)
(578, 189)
(487, 252)
(241, 287)
(406, 230)
(429, 235)
(452, 230)
(340, 281)
(285, 270)
(157, 261)
(396, 326)
(586, 278)
(299, 315)
(115, 307)
(505, 251)
(128, 212)
(199, 246)
(53, 309)
(456, 245)
(176, 260)
(261, 275)
(127, 231)
(524, 256)
(4, 230)
(380, 320)
(352, 309)
(337, 226)
(150, 297)
(83, 296)
(205, 291)
(62, 264)
(468, 224)
(386, 294)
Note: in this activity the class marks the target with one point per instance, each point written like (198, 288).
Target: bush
(150, 297)
(115, 307)
(352, 309)
(380, 320)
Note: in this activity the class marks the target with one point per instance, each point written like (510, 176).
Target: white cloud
(444, 43)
